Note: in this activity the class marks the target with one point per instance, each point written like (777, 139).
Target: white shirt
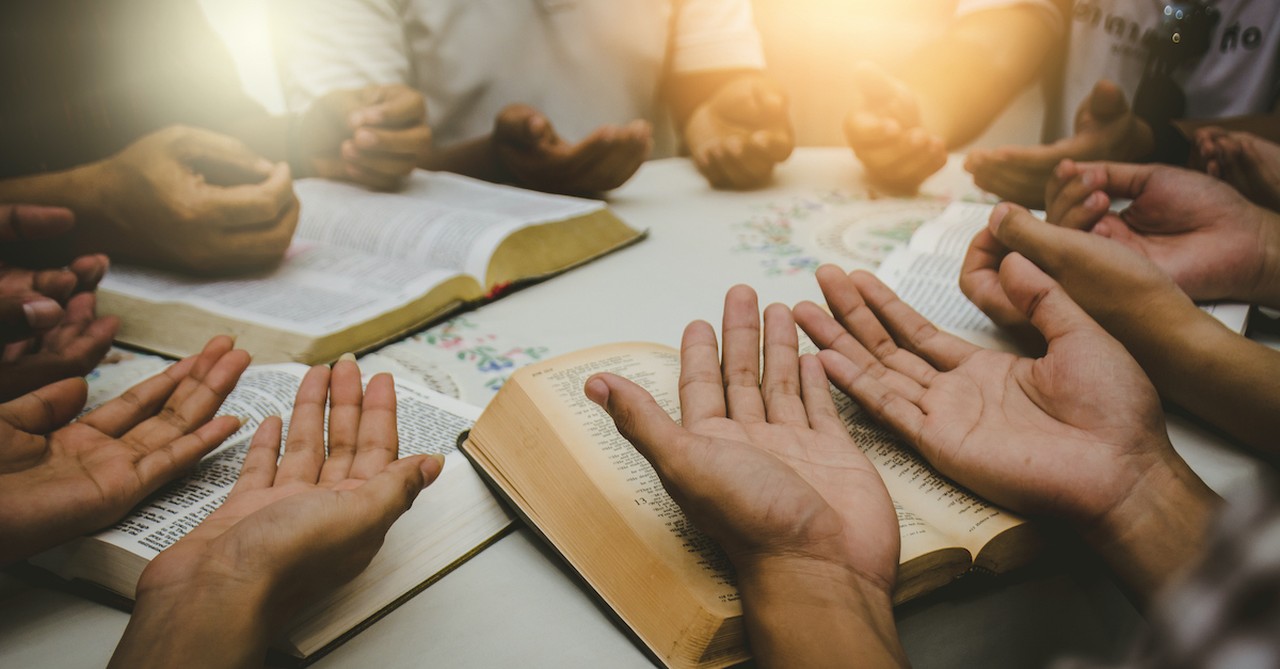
(582, 62)
(1239, 75)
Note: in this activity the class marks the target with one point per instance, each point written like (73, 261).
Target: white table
(513, 604)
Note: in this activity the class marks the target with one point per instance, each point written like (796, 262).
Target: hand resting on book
(766, 467)
(290, 530)
(1076, 435)
(59, 480)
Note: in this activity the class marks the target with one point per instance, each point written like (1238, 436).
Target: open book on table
(560, 462)
(367, 267)
(451, 520)
(926, 275)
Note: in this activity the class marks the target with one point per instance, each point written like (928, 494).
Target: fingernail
(597, 391)
(42, 314)
(347, 357)
(997, 217)
(366, 139)
(242, 419)
(438, 458)
(1094, 200)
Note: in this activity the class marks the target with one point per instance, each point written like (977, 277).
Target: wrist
(1157, 528)
(1266, 285)
(819, 610)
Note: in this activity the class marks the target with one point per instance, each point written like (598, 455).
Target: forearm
(807, 614)
(1158, 530)
(969, 75)
(78, 189)
(474, 158)
(1220, 376)
(202, 626)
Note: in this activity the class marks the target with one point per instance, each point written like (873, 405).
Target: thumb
(1045, 244)
(392, 491)
(1107, 101)
(1045, 303)
(638, 417)
(22, 316)
(522, 126)
(223, 160)
(46, 409)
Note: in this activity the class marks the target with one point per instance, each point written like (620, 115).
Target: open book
(367, 267)
(926, 274)
(450, 521)
(560, 462)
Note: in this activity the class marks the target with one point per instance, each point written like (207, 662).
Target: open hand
(294, 530)
(1105, 129)
(530, 150)
(72, 347)
(194, 201)
(764, 465)
(373, 136)
(59, 480)
(885, 131)
(740, 133)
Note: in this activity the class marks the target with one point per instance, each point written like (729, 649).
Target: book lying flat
(451, 520)
(560, 462)
(926, 275)
(366, 268)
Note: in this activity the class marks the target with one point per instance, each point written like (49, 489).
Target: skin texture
(373, 136)
(1105, 129)
(765, 466)
(1195, 362)
(180, 198)
(59, 480)
(295, 526)
(1246, 161)
(903, 123)
(1077, 434)
(738, 133)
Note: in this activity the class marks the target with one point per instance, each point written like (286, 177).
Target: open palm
(764, 465)
(59, 481)
(1068, 434)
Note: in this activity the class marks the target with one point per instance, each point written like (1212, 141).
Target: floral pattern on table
(484, 352)
(850, 227)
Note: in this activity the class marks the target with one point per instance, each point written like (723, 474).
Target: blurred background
(810, 45)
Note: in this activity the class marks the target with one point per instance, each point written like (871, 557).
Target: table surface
(514, 604)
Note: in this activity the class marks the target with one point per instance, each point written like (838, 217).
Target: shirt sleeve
(715, 35)
(1051, 11)
(338, 44)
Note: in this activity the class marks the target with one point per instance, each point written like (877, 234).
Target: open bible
(365, 268)
(560, 462)
(451, 520)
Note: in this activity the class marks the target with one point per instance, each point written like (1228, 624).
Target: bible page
(441, 220)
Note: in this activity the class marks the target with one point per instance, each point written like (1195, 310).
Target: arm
(1077, 435)
(764, 465)
(290, 530)
(903, 124)
(1192, 360)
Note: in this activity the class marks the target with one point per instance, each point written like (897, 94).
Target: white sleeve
(1050, 10)
(715, 35)
(338, 44)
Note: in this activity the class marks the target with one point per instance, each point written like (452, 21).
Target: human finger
(980, 279)
(165, 460)
(117, 416)
(46, 409)
(405, 144)
(345, 399)
(392, 491)
(200, 400)
(259, 468)
(740, 362)
(909, 329)
(780, 382)
(523, 126)
(865, 130)
(823, 329)
(249, 206)
(222, 159)
(737, 168)
(304, 446)
(389, 106)
(1079, 201)
(710, 163)
(701, 384)
(815, 391)
(28, 222)
(877, 399)
(23, 316)
(378, 442)
(1043, 301)
(639, 420)
(89, 270)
